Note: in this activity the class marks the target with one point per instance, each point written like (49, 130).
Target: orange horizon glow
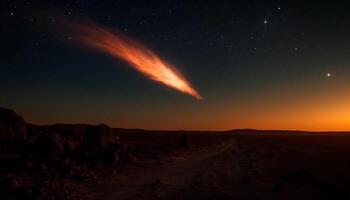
(321, 108)
(134, 53)
(313, 118)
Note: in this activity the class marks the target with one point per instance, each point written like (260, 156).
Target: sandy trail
(207, 173)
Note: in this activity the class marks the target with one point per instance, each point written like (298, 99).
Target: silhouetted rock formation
(100, 143)
(53, 151)
(12, 125)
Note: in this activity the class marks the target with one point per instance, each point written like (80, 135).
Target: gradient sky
(258, 64)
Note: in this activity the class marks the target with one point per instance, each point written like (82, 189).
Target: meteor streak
(134, 53)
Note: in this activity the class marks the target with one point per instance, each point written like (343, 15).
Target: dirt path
(208, 173)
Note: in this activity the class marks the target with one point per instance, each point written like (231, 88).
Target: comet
(134, 53)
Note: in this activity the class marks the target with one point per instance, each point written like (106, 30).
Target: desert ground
(98, 162)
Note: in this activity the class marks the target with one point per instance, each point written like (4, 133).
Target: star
(265, 21)
(11, 13)
(328, 75)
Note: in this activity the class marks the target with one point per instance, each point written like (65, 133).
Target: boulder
(50, 146)
(98, 140)
(12, 125)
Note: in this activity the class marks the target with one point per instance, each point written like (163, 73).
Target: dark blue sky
(258, 64)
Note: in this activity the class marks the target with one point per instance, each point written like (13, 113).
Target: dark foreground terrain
(97, 162)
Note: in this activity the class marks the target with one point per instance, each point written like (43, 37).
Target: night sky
(257, 64)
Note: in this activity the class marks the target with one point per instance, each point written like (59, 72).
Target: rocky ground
(98, 162)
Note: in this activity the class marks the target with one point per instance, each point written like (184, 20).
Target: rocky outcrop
(99, 141)
(100, 135)
(12, 126)
(56, 143)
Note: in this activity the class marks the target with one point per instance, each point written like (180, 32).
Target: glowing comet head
(135, 54)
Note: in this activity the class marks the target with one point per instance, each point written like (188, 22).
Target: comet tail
(134, 53)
